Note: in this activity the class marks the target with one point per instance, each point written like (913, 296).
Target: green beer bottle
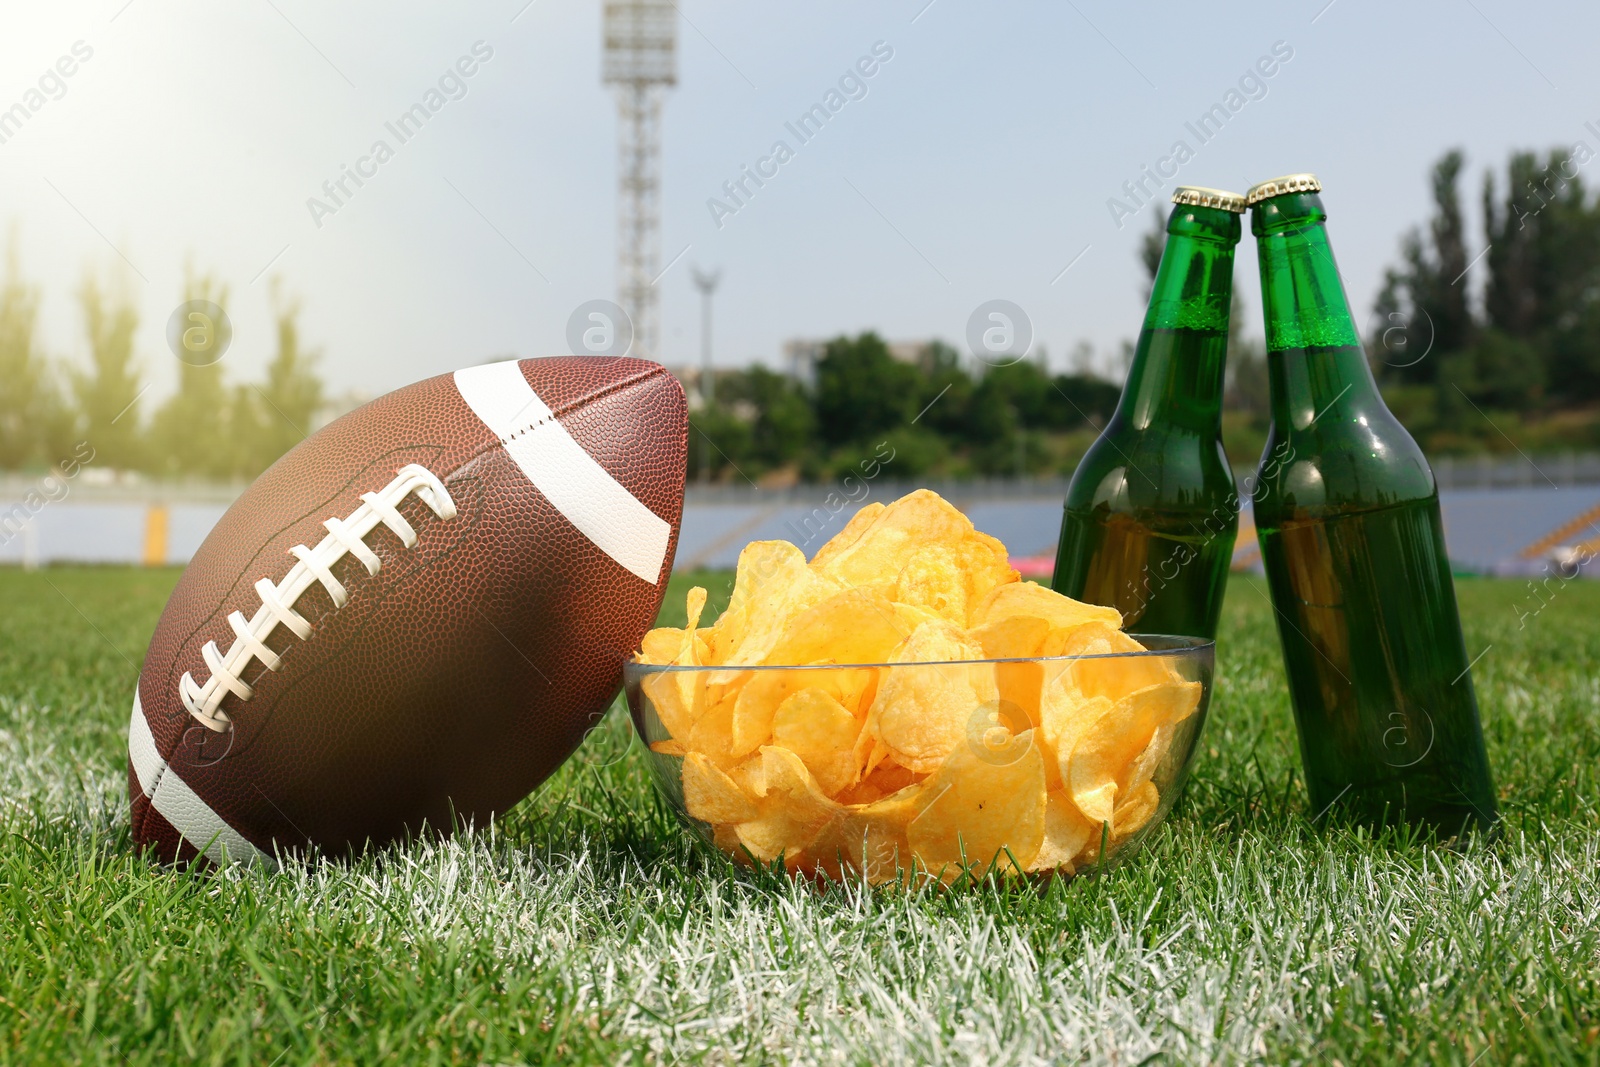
(1348, 516)
(1151, 513)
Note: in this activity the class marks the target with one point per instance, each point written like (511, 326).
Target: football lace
(312, 565)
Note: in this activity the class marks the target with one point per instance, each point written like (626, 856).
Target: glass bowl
(908, 771)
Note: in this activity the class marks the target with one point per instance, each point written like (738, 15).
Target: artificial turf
(583, 926)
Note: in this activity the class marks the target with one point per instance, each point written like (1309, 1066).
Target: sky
(982, 160)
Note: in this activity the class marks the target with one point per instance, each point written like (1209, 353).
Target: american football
(411, 619)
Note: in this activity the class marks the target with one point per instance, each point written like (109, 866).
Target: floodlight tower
(706, 282)
(640, 59)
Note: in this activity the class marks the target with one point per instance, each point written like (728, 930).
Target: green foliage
(281, 410)
(35, 426)
(1534, 349)
(1530, 359)
(193, 432)
(935, 415)
(107, 393)
(862, 390)
(585, 927)
(906, 452)
(1429, 286)
(208, 428)
(782, 420)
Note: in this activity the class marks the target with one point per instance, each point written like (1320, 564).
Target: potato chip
(870, 752)
(854, 626)
(772, 585)
(661, 645)
(775, 834)
(1013, 637)
(985, 565)
(863, 792)
(1031, 598)
(921, 713)
(1132, 814)
(760, 563)
(673, 694)
(711, 796)
(932, 579)
(792, 813)
(992, 726)
(1085, 639)
(694, 606)
(1143, 767)
(1116, 675)
(751, 776)
(757, 701)
(982, 811)
(905, 695)
(1066, 832)
(1020, 685)
(859, 700)
(822, 732)
(899, 532)
(711, 734)
(884, 781)
(869, 838)
(863, 518)
(726, 838)
(1065, 714)
(1104, 753)
(756, 704)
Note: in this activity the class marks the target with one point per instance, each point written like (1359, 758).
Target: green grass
(583, 926)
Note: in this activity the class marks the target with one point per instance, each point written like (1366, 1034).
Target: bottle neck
(1176, 376)
(1315, 359)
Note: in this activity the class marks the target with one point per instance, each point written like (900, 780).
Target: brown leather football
(412, 618)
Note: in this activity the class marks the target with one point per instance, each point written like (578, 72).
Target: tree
(944, 402)
(784, 422)
(1423, 315)
(1513, 295)
(1544, 270)
(719, 445)
(285, 405)
(192, 433)
(34, 425)
(1445, 295)
(107, 394)
(863, 391)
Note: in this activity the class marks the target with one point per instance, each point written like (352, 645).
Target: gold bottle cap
(1289, 183)
(1200, 196)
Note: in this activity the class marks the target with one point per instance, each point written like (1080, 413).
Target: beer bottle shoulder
(1327, 456)
(1155, 468)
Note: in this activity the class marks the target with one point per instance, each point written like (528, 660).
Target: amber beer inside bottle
(1347, 512)
(1151, 513)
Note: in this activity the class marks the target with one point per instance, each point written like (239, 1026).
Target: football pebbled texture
(412, 688)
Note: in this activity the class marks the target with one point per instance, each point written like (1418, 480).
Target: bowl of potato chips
(903, 707)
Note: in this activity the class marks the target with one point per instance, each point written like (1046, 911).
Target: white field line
(1253, 942)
